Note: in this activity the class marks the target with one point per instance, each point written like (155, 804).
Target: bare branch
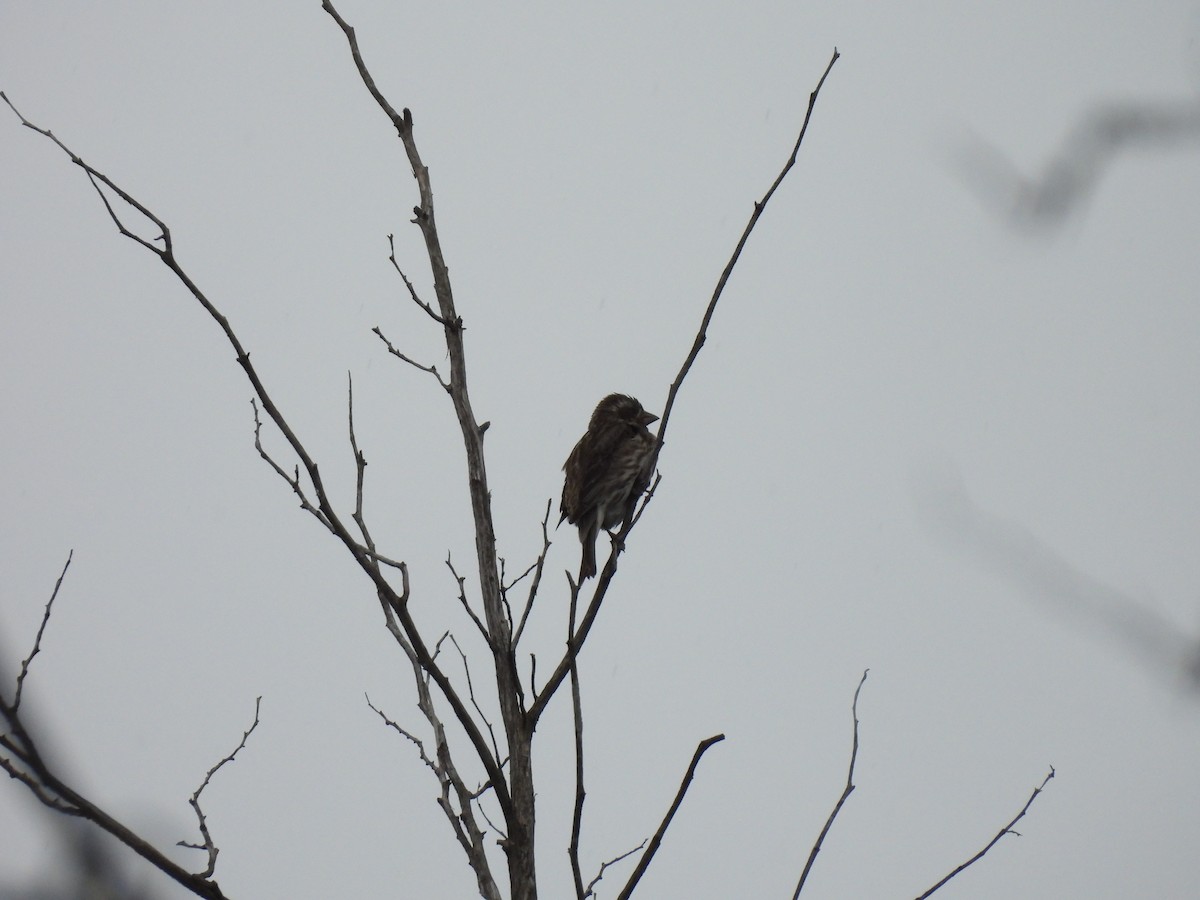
(590, 890)
(516, 795)
(560, 672)
(702, 334)
(539, 567)
(1007, 829)
(412, 292)
(97, 178)
(496, 828)
(324, 505)
(403, 732)
(293, 480)
(208, 844)
(37, 641)
(462, 598)
(54, 793)
(471, 693)
(360, 468)
(432, 370)
(849, 789)
(648, 855)
(462, 820)
(580, 793)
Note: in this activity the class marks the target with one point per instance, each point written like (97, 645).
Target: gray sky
(919, 440)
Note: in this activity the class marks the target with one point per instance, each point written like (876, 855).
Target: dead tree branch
(580, 793)
(516, 795)
(367, 561)
(609, 569)
(37, 641)
(849, 789)
(1007, 829)
(539, 568)
(648, 855)
(412, 291)
(452, 789)
(590, 891)
(209, 846)
(23, 760)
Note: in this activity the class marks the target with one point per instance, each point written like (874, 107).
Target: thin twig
(702, 334)
(37, 641)
(403, 732)
(360, 470)
(293, 480)
(471, 693)
(539, 568)
(208, 844)
(849, 789)
(1007, 829)
(412, 292)
(432, 370)
(648, 855)
(462, 598)
(96, 178)
(590, 891)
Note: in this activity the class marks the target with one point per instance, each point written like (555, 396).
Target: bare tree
(497, 611)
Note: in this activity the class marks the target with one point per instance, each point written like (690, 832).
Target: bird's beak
(647, 418)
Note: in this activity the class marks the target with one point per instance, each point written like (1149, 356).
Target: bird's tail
(587, 567)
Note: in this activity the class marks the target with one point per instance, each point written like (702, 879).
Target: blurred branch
(849, 789)
(1017, 555)
(24, 761)
(1071, 175)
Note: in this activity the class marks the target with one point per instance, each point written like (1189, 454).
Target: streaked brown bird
(607, 472)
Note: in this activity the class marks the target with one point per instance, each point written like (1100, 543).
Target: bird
(607, 471)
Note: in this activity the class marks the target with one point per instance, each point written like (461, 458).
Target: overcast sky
(924, 437)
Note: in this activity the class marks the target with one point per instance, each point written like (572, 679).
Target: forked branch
(209, 846)
(321, 505)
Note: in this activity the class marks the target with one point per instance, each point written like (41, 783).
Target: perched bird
(606, 472)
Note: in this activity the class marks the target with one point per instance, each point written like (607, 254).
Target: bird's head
(622, 408)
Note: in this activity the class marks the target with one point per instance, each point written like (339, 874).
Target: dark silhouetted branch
(846, 792)
(589, 616)
(648, 856)
(1007, 829)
